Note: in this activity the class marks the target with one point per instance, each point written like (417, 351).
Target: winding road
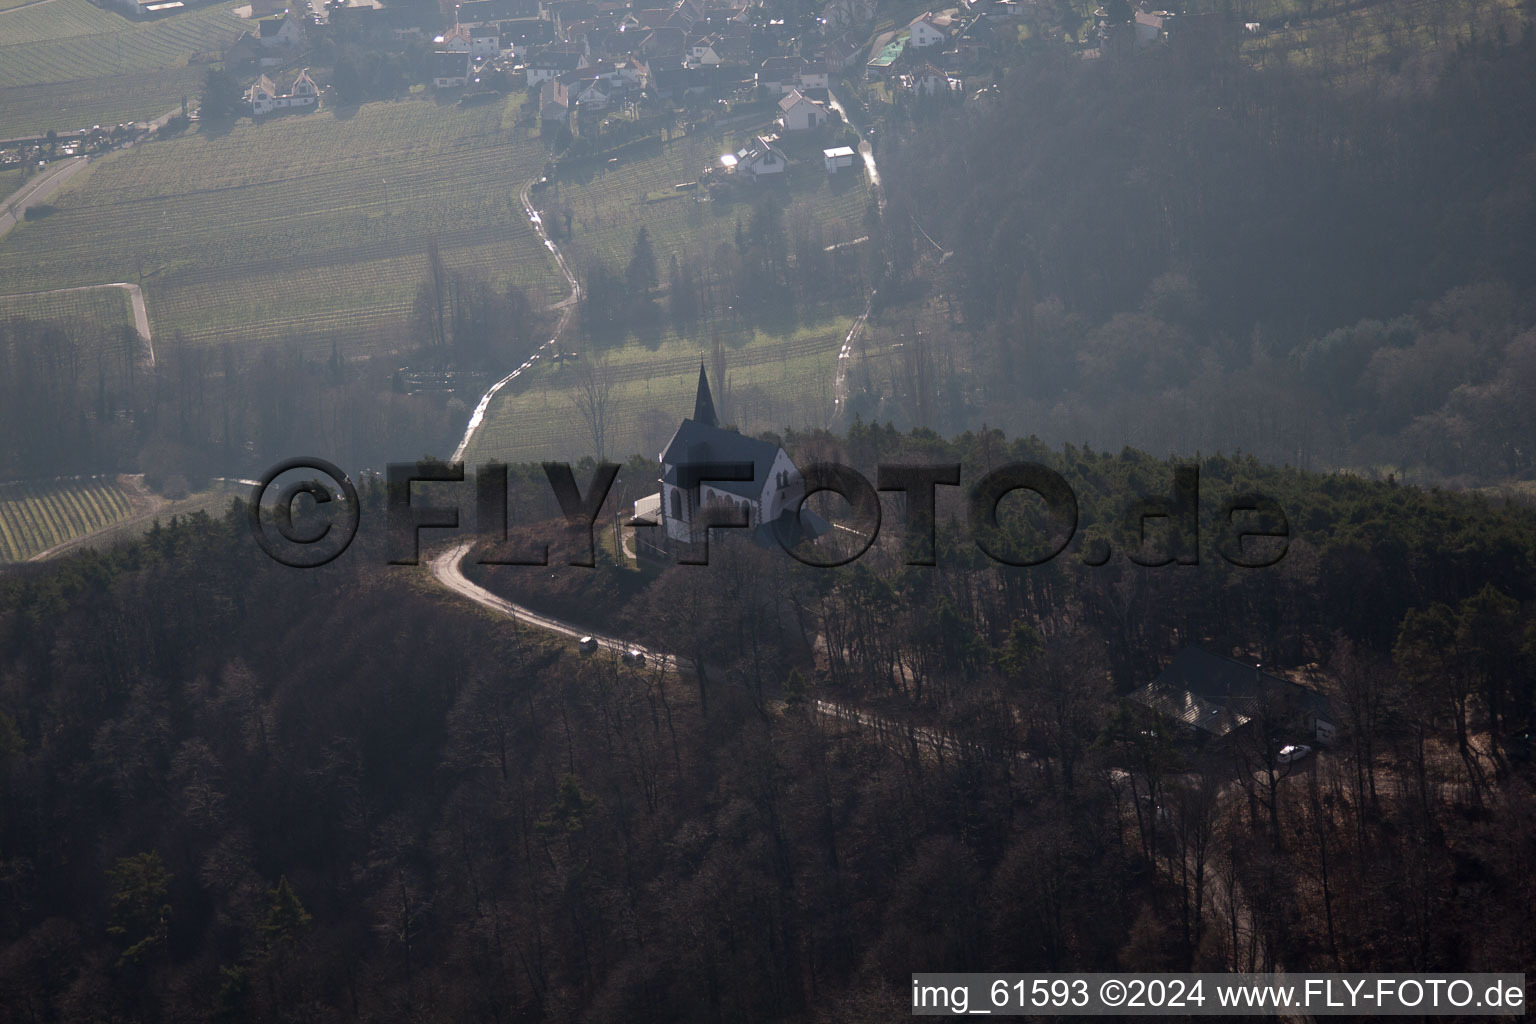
(566, 306)
(845, 354)
(37, 191)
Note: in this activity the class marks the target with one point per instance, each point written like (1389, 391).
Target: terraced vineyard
(775, 381)
(89, 308)
(610, 207)
(308, 227)
(68, 63)
(36, 516)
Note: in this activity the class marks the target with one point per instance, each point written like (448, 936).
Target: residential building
(264, 97)
(450, 70)
(759, 159)
(1212, 696)
(800, 114)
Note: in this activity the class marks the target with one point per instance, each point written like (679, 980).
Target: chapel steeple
(704, 404)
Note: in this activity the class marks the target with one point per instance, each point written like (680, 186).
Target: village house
(813, 75)
(1212, 697)
(587, 91)
(928, 30)
(478, 42)
(264, 96)
(242, 53)
(284, 33)
(450, 70)
(1151, 27)
(553, 62)
(554, 103)
(778, 75)
(800, 114)
(926, 80)
(844, 52)
(702, 51)
(519, 35)
(664, 42)
(759, 159)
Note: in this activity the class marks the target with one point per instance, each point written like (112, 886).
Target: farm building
(837, 159)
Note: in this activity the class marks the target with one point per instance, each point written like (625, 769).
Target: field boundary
(135, 298)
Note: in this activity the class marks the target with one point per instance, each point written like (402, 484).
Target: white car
(633, 656)
(588, 644)
(1293, 753)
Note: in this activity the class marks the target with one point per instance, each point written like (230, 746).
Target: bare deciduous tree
(593, 397)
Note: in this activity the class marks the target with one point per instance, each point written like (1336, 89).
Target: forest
(236, 791)
(1186, 255)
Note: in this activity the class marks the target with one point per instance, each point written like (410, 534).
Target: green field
(311, 227)
(774, 381)
(36, 516)
(69, 64)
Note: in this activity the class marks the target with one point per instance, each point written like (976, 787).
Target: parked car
(633, 656)
(588, 644)
(1292, 753)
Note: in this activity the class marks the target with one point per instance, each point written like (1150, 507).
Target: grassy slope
(287, 228)
(774, 381)
(67, 64)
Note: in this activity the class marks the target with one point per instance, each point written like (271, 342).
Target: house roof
(758, 148)
(557, 59)
(554, 92)
(271, 27)
(1219, 694)
(450, 65)
(840, 151)
(793, 99)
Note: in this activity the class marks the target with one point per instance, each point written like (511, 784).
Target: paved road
(37, 191)
(845, 354)
(566, 306)
(446, 567)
